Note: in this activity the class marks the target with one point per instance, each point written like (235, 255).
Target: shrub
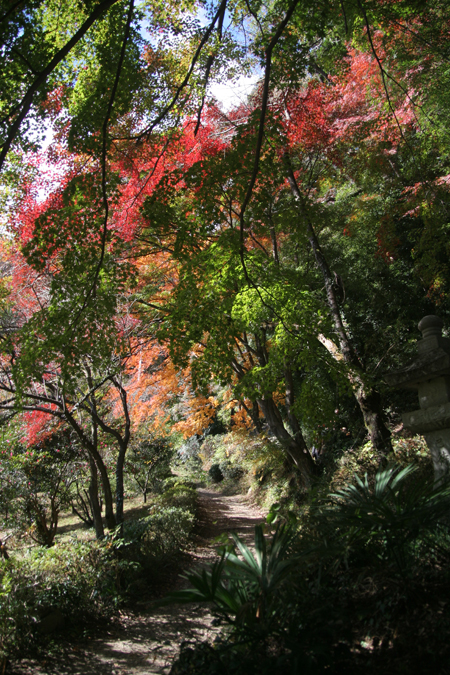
(244, 589)
(71, 583)
(219, 659)
(170, 482)
(231, 471)
(384, 519)
(215, 473)
(181, 496)
(365, 459)
(370, 561)
(188, 454)
(157, 536)
(176, 481)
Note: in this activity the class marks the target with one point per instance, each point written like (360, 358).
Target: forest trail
(145, 641)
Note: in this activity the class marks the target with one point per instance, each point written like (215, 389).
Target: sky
(231, 94)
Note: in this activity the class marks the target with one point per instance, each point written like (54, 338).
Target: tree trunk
(119, 484)
(295, 447)
(368, 398)
(253, 413)
(122, 442)
(94, 501)
(90, 446)
(369, 401)
(107, 493)
(292, 419)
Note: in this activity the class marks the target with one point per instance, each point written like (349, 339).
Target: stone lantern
(429, 373)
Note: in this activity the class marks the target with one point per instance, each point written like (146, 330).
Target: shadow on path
(147, 641)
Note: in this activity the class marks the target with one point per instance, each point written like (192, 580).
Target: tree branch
(103, 163)
(27, 100)
(187, 77)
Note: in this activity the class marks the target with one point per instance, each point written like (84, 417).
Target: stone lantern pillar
(429, 374)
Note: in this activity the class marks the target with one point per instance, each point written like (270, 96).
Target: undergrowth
(76, 584)
(346, 595)
(251, 464)
(362, 584)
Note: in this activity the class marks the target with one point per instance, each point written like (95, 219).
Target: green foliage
(158, 536)
(233, 275)
(356, 570)
(384, 518)
(37, 484)
(177, 481)
(181, 496)
(252, 462)
(231, 471)
(148, 464)
(245, 589)
(162, 534)
(76, 583)
(71, 584)
(344, 463)
(11, 481)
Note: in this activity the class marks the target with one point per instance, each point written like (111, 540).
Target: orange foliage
(200, 412)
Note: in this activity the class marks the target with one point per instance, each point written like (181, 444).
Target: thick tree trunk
(369, 401)
(295, 447)
(368, 398)
(94, 501)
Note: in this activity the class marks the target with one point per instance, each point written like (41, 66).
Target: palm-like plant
(397, 509)
(244, 588)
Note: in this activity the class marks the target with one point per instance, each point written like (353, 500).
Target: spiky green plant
(244, 588)
(393, 512)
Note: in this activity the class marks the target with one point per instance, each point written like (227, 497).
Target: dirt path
(146, 641)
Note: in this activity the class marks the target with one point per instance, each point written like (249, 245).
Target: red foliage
(38, 426)
(323, 118)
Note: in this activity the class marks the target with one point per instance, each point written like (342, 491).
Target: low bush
(70, 584)
(159, 535)
(180, 496)
(252, 462)
(365, 459)
(51, 588)
(178, 481)
(215, 473)
(231, 471)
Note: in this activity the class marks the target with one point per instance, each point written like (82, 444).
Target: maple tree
(147, 464)
(43, 381)
(323, 123)
(206, 221)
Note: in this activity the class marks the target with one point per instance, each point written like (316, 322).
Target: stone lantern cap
(432, 361)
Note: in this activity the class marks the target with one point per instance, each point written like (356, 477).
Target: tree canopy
(158, 246)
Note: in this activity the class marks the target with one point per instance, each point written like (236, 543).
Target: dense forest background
(223, 285)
